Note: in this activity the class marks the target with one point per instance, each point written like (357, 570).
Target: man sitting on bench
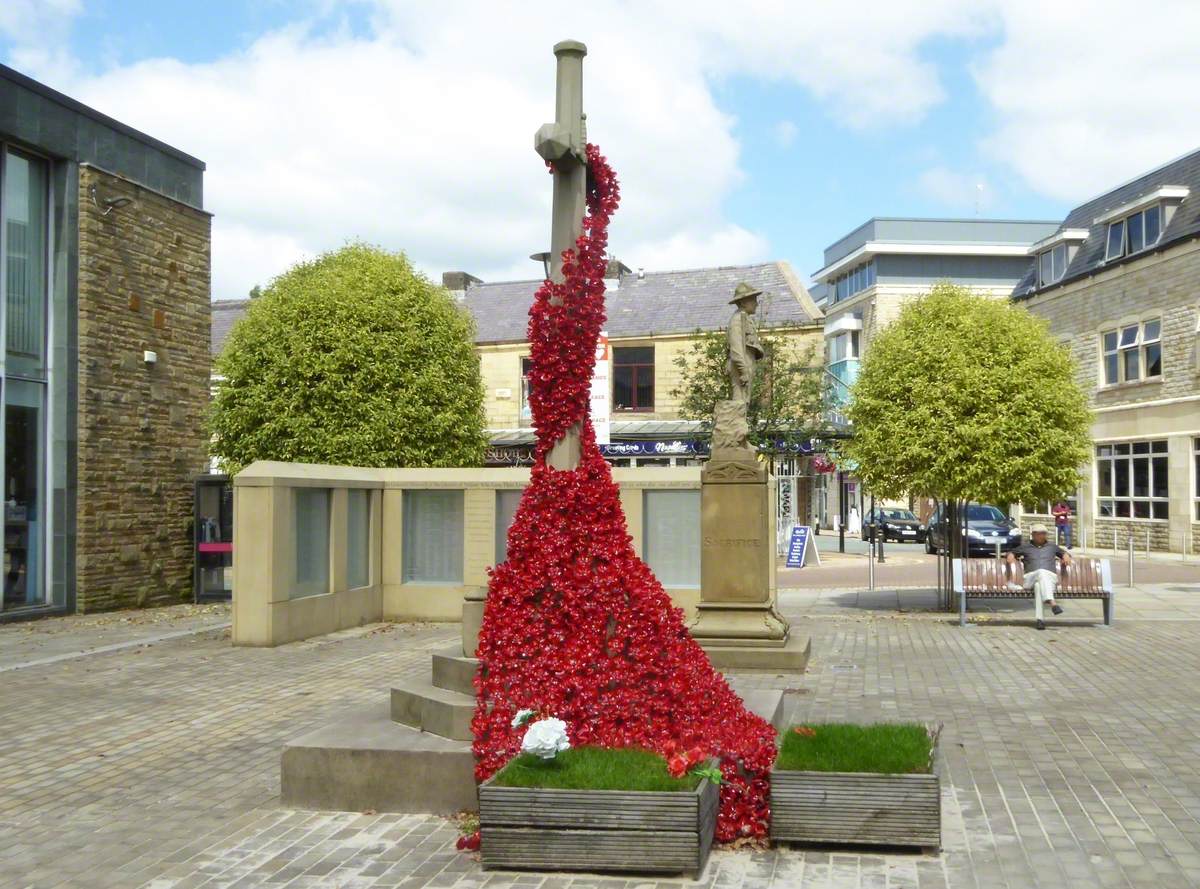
(1037, 555)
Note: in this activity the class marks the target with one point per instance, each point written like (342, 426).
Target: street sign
(800, 545)
(601, 410)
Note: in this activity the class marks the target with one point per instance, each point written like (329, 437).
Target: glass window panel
(1104, 450)
(358, 538)
(1060, 261)
(433, 537)
(1158, 447)
(1111, 369)
(622, 388)
(837, 348)
(1121, 478)
(1160, 478)
(1104, 470)
(1129, 336)
(26, 195)
(1046, 272)
(853, 344)
(526, 369)
(1135, 233)
(1132, 364)
(644, 391)
(1106, 508)
(1122, 508)
(312, 542)
(1153, 228)
(1141, 477)
(671, 536)
(24, 509)
(870, 273)
(633, 355)
(1141, 447)
(1121, 449)
(1160, 509)
(1116, 240)
(1154, 360)
(1110, 341)
(1151, 330)
(506, 510)
(1141, 509)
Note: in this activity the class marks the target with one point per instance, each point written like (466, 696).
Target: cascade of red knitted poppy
(575, 624)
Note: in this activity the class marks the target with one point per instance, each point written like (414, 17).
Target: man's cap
(1039, 528)
(743, 291)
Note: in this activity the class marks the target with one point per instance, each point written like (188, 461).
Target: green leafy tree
(353, 359)
(967, 398)
(786, 399)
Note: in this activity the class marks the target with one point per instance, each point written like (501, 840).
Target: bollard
(870, 571)
(1131, 558)
(997, 550)
(1147, 541)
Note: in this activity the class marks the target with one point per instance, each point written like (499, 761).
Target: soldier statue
(745, 350)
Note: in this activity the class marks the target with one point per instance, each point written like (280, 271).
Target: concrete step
(764, 702)
(789, 658)
(366, 761)
(441, 711)
(454, 672)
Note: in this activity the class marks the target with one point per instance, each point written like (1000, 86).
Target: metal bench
(990, 579)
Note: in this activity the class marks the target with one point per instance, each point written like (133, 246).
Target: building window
(1052, 265)
(1131, 480)
(432, 546)
(1196, 477)
(526, 369)
(633, 378)
(854, 281)
(1134, 233)
(506, 510)
(1132, 352)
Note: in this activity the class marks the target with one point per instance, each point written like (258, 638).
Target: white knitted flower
(546, 738)
(521, 718)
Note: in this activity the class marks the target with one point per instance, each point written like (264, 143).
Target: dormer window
(1135, 233)
(1052, 265)
(1138, 225)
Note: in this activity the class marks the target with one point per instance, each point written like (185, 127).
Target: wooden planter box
(866, 808)
(529, 828)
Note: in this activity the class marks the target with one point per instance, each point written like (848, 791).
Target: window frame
(524, 411)
(637, 369)
(1138, 348)
(1117, 463)
(1196, 479)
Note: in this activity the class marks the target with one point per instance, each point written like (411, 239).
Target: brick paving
(1071, 757)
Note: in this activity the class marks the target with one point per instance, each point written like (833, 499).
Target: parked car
(895, 524)
(986, 527)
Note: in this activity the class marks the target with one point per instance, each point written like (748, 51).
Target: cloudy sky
(740, 131)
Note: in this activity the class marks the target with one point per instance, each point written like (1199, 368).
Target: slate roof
(225, 313)
(1089, 258)
(657, 303)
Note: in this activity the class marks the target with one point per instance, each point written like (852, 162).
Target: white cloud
(957, 191)
(418, 134)
(785, 133)
(1087, 98)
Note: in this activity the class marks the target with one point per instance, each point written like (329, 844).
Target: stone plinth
(737, 610)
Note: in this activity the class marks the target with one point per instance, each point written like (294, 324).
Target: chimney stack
(614, 272)
(458, 283)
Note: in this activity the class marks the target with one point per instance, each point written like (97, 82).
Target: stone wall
(143, 285)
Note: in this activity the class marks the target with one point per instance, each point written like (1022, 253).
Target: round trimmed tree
(965, 397)
(353, 359)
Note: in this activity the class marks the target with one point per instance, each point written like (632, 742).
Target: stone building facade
(1123, 292)
(105, 315)
(143, 286)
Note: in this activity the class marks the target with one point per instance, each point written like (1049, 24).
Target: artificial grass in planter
(594, 768)
(889, 748)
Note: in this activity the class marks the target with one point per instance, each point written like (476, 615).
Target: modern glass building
(104, 253)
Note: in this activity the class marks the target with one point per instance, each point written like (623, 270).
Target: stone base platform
(791, 657)
(367, 761)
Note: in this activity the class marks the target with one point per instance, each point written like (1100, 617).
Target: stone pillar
(737, 620)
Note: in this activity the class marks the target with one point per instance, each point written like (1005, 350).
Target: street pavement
(1070, 756)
